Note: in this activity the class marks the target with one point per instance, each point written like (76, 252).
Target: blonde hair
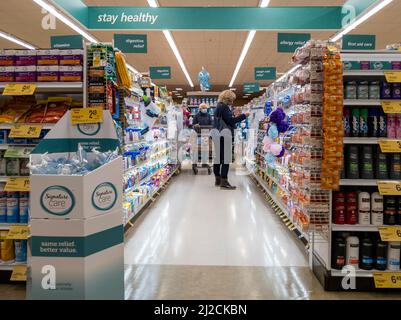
(203, 106)
(227, 97)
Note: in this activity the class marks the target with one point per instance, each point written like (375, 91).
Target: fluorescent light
(11, 38)
(67, 21)
(178, 89)
(264, 3)
(153, 3)
(245, 49)
(360, 20)
(153, 84)
(131, 68)
(233, 89)
(171, 42)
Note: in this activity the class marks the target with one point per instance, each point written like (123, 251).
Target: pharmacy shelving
(6, 226)
(49, 87)
(363, 73)
(360, 273)
(10, 266)
(361, 140)
(358, 182)
(355, 227)
(362, 102)
(45, 126)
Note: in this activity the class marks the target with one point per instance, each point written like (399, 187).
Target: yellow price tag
(25, 131)
(390, 146)
(17, 184)
(16, 232)
(391, 106)
(393, 76)
(19, 273)
(389, 188)
(387, 279)
(86, 115)
(19, 89)
(390, 233)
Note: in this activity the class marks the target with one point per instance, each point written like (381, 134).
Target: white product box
(77, 197)
(25, 52)
(49, 52)
(25, 69)
(77, 259)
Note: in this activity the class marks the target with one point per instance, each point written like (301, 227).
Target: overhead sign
(265, 73)
(210, 18)
(160, 72)
(131, 43)
(66, 42)
(251, 87)
(359, 42)
(289, 42)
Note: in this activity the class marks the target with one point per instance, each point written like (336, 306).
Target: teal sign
(160, 72)
(210, 18)
(359, 42)
(265, 73)
(66, 42)
(251, 87)
(131, 43)
(289, 42)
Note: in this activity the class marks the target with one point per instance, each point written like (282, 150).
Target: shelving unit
(356, 140)
(362, 102)
(50, 87)
(6, 226)
(10, 266)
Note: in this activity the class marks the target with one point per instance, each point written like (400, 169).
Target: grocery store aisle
(195, 223)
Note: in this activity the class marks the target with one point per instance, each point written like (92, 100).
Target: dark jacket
(223, 111)
(203, 119)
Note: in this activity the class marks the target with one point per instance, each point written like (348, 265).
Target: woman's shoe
(217, 182)
(226, 185)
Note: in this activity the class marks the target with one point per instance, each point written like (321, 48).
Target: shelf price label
(19, 273)
(393, 76)
(19, 89)
(25, 131)
(390, 233)
(86, 115)
(389, 188)
(18, 232)
(390, 146)
(17, 184)
(391, 280)
(391, 106)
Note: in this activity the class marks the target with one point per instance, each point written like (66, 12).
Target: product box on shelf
(47, 57)
(47, 73)
(72, 57)
(25, 74)
(86, 257)
(71, 73)
(7, 58)
(25, 58)
(7, 74)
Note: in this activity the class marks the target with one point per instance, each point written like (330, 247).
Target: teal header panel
(214, 18)
(66, 42)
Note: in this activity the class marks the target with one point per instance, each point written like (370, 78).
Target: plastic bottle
(338, 257)
(398, 126)
(367, 162)
(393, 256)
(3, 204)
(364, 208)
(366, 250)
(347, 121)
(373, 122)
(385, 92)
(12, 207)
(352, 255)
(395, 166)
(6, 248)
(351, 207)
(355, 122)
(20, 250)
(363, 122)
(338, 208)
(23, 207)
(382, 124)
(398, 208)
(377, 209)
(389, 210)
(381, 164)
(353, 162)
(381, 255)
(391, 126)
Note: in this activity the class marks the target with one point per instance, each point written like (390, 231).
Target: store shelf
(360, 273)
(60, 87)
(6, 226)
(368, 73)
(44, 125)
(358, 182)
(355, 227)
(362, 102)
(361, 140)
(10, 266)
(4, 178)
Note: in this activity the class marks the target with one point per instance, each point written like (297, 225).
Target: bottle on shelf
(364, 208)
(393, 256)
(389, 210)
(381, 255)
(352, 169)
(351, 207)
(367, 162)
(355, 122)
(391, 126)
(382, 124)
(363, 122)
(339, 252)
(366, 251)
(381, 164)
(377, 209)
(338, 208)
(395, 166)
(352, 255)
(373, 122)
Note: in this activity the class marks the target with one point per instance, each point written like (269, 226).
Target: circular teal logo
(89, 129)
(57, 200)
(104, 196)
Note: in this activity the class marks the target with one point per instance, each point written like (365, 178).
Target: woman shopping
(224, 120)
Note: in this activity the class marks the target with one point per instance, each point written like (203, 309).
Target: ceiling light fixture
(178, 89)
(173, 46)
(360, 20)
(11, 38)
(233, 89)
(248, 42)
(65, 20)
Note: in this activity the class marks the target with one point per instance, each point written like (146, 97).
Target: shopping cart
(202, 150)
